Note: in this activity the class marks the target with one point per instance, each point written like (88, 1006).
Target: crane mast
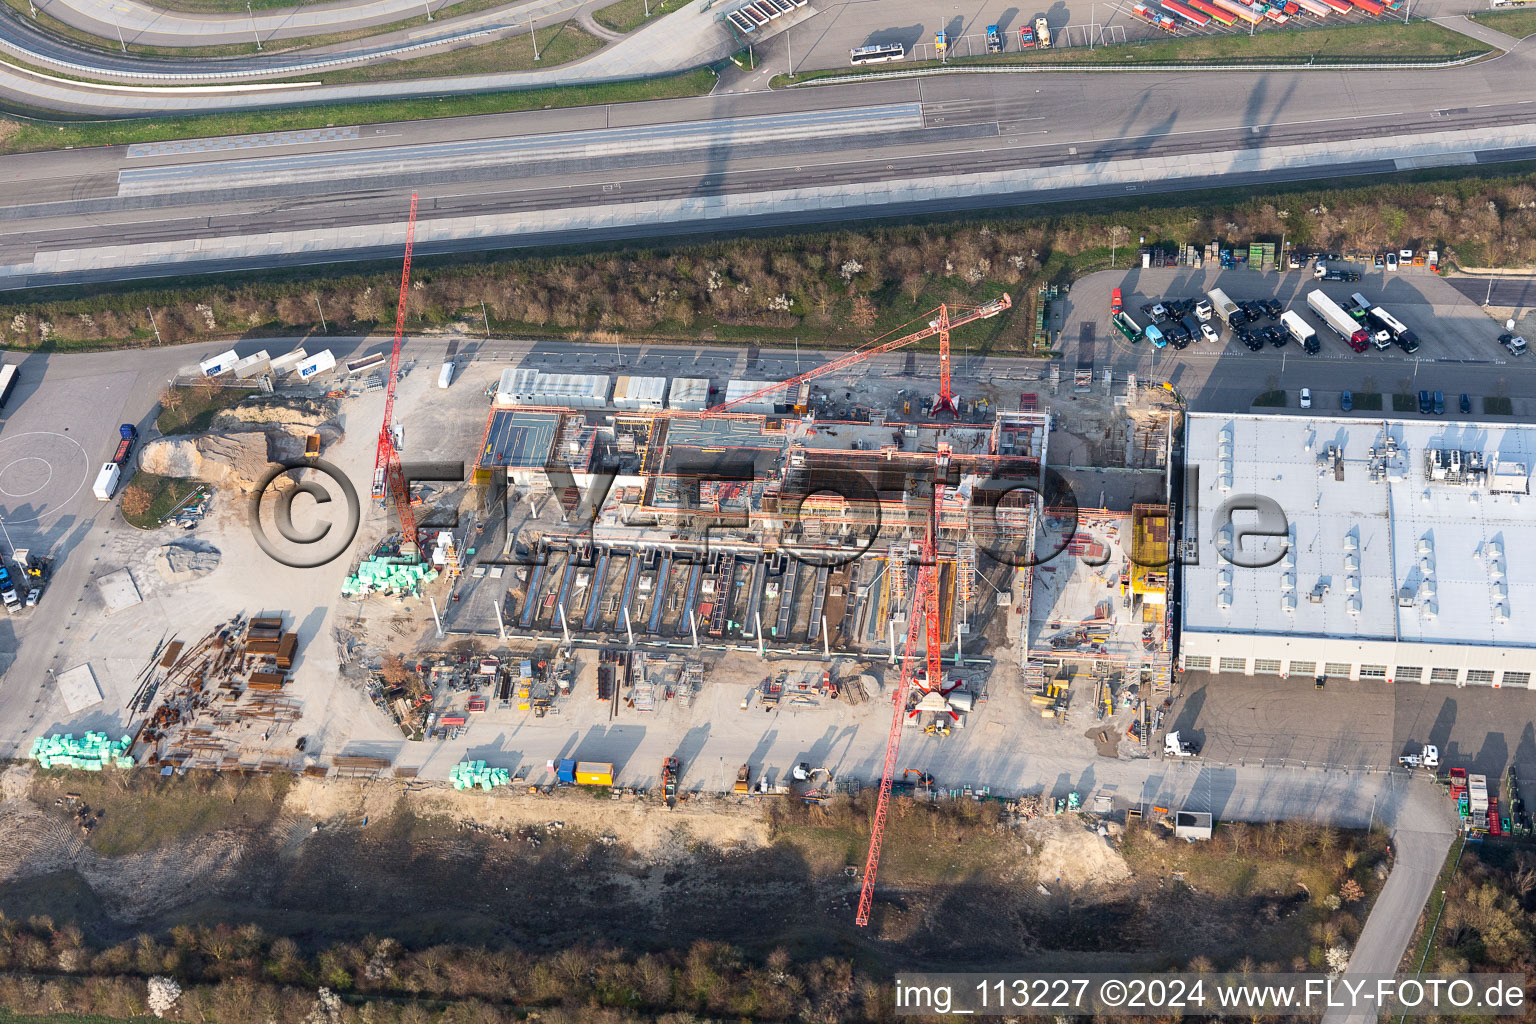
(946, 400)
(388, 475)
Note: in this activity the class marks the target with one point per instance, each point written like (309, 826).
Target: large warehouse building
(1406, 551)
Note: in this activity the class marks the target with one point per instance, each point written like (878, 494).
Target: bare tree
(863, 314)
(135, 502)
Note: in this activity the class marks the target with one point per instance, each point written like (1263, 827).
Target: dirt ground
(334, 861)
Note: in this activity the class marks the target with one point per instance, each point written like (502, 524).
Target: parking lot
(1236, 719)
(824, 41)
(1458, 350)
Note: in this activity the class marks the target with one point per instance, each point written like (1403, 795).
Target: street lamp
(254, 34)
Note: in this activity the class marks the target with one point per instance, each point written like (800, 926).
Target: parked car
(1306, 398)
(1379, 261)
(1209, 333)
(1346, 401)
(1439, 403)
(1426, 403)
(1391, 261)
(1465, 405)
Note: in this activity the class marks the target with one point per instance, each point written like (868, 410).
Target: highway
(334, 197)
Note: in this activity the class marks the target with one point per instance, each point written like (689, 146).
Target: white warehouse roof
(739, 388)
(690, 394)
(567, 390)
(639, 392)
(1416, 531)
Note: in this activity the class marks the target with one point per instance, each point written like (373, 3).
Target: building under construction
(761, 529)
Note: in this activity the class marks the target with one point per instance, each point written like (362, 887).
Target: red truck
(128, 435)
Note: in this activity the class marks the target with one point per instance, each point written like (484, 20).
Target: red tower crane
(940, 323)
(924, 615)
(388, 476)
(946, 400)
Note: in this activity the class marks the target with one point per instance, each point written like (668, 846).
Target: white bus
(877, 53)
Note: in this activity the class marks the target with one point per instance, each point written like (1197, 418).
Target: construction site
(779, 588)
(621, 543)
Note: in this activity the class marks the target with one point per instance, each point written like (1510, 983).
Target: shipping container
(320, 362)
(221, 363)
(253, 365)
(365, 363)
(594, 773)
(1370, 7)
(286, 362)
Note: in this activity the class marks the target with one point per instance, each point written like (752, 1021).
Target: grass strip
(628, 15)
(569, 42)
(1368, 403)
(47, 21)
(1419, 954)
(1516, 23)
(26, 135)
(193, 409)
(160, 495)
(1352, 44)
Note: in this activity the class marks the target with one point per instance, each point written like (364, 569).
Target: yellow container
(594, 773)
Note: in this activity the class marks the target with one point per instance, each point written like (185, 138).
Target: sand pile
(1073, 855)
(238, 459)
(293, 412)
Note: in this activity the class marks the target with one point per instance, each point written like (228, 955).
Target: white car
(1209, 333)
(1306, 398)
(1391, 261)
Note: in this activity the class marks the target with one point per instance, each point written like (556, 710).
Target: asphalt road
(54, 201)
